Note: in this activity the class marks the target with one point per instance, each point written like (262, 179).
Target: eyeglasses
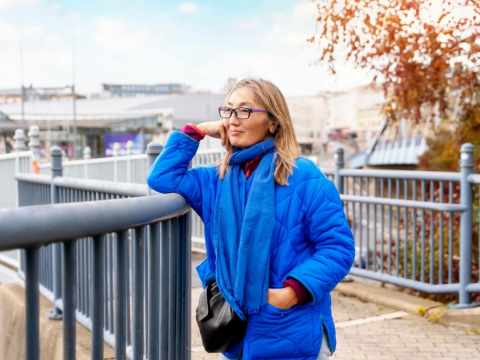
(241, 112)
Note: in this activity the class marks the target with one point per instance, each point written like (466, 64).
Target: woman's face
(246, 132)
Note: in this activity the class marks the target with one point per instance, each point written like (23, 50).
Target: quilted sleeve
(332, 240)
(170, 174)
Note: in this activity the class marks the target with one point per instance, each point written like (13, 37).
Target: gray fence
(133, 169)
(11, 164)
(129, 168)
(414, 228)
(125, 263)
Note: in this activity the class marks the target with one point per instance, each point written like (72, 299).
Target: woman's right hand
(215, 129)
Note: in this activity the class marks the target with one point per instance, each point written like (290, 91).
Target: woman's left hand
(282, 298)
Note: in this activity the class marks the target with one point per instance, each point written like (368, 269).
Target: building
(99, 123)
(229, 85)
(8, 96)
(134, 90)
(357, 110)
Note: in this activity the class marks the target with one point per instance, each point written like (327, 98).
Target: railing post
(339, 164)
(57, 170)
(34, 145)
(19, 146)
(116, 154)
(69, 299)
(98, 297)
(20, 140)
(466, 226)
(129, 160)
(153, 150)
(338, 181)
(87, 154)
(122, 299)
(32, 304)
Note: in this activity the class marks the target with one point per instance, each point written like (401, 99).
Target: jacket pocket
(275, 333)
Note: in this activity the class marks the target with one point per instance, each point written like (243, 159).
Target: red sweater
(248, 168)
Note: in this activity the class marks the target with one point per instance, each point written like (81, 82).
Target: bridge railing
(115, 255)
(128, 168)
(133, 169)
(11, 164)
(414, 228)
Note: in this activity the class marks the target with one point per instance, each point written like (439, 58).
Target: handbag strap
(203, 308)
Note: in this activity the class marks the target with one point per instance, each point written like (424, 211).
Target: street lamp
(74, 113)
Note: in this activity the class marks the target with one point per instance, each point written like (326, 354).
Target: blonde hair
(271, 98)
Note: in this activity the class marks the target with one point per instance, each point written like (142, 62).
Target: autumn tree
(421, 51)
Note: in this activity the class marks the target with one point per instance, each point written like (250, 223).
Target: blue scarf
(242, 232)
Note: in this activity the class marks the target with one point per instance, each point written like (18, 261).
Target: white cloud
(52, 40)
(279, 16)
(116, 36)
(249, 24)
(4, 4)
(293, 30)
(188, 7)
(305, 11)
(287, 35)
(55, 5)
(9, 32)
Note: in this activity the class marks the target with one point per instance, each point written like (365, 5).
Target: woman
(276, 236)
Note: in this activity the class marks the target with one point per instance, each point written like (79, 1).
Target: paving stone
(411, 337)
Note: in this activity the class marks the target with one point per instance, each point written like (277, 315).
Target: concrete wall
(12, 329)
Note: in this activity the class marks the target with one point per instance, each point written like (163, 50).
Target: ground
(405, 337)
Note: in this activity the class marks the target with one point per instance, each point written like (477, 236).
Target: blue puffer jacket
(311, 242)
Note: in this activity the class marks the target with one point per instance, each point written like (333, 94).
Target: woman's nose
(234, 120)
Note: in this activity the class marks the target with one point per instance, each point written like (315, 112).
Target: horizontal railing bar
(412, 284)
(13, 155)
(209, 151)
(32, 225)
(328, 171)
(473, 288)
(9, 261)
(112, 159)
(97, 160)
(34, 178)
(403, 174)
(474, 178)
(109, 187)
(404, 203)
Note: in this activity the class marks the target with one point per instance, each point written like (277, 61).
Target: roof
(184, 108)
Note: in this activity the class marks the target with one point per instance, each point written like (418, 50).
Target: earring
(272, 132)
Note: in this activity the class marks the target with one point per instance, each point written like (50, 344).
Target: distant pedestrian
(276, 235)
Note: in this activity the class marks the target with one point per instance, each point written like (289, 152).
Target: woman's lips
(235, 132)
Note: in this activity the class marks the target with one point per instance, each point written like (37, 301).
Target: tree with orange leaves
(422, 51)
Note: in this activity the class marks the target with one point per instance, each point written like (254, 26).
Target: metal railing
(405, 232)
(413, 228)
(117, 255)
(133, 169)
(11, 164)
(129, 168)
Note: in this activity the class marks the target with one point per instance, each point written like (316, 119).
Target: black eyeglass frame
(236, 114)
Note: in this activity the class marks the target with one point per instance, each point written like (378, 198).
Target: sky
(198, 43)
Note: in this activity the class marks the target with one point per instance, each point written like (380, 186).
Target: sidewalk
(369, 331)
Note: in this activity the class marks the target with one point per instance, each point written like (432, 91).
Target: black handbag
(220, 326)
